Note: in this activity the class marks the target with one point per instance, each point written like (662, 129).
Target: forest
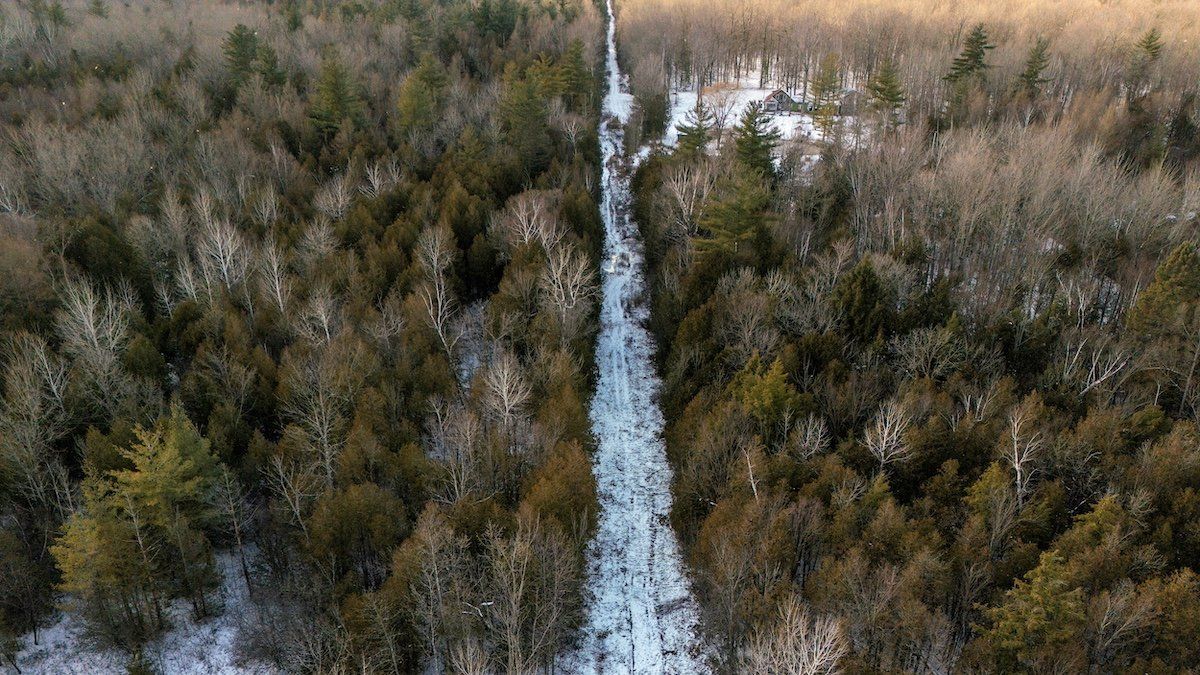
(932, 401)
(299, 306)
(308, 287)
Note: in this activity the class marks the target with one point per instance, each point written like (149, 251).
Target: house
(779, 101)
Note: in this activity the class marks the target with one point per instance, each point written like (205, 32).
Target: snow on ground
(735, 97)
(206, 647)
(641, 616)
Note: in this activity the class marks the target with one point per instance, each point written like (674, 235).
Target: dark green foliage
(1032, 77)
(826, 93)
(755, 140)
(241, 51)
(335, 98)
(865, 303)
(736, 216)
(971, 63)
(1150, 46)
(887, 93)
(695, 131)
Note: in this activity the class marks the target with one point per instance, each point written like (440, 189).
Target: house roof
(777, 92)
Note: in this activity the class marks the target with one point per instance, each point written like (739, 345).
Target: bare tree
(435, 253)
(809, 438)
(506, 391)
(929, 352)
(797, 643)
(688, 186)
(33, 416)
(530, 582)
(1023, 446)
(1117, 619)
(1090, 361)
(454, 436)
(334, 197)
(273, 276)
(94, 328)
(294, 484)
(529, 218)
(230, 500)
(568, 286)
(885, 435)
(381, 177)
(222, 252)
(321, 384)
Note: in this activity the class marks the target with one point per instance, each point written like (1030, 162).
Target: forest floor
(642, 617)
(189, 647)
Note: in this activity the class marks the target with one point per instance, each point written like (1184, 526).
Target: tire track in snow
(642, 617)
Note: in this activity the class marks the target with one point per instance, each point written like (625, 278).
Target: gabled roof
(777, 92)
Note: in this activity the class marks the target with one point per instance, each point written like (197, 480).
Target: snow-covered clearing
(207, 647)
(641, 617)
(730, 102)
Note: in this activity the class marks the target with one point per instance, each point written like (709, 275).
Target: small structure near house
(779, 101)
(852, 102)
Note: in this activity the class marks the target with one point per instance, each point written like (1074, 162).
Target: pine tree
(765, 392)
(524, 121)
(1174, 291)
(735, 217)
(1041, 618)
(695, 131)
(826, 88)
(887, 94)
(971, 63)
(755, 140)
(864, 302)
(575, 76)
(1031, 78)
(336, 98)
(416, 107)
(139, 537)
(267, 66)
(241, 52)
(1150, 46)
(98, 8)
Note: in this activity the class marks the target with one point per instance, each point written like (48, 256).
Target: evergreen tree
(139, 536)
(887, 94)
(577, 81)
(1174, 291)
(1031, 79)
(971, 63)
(826, 94)
(241, 52)
(524, 121)
(98, 8)
(695, 131)
(548, 76)
(267, 66)
(765, 392)
(1040, 621)
(864, 302)
(755, 140)
(735, 216)
(1150, 46)
(336, 98)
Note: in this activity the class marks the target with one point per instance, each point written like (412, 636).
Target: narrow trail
(642, 617)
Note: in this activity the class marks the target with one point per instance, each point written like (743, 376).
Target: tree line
(931, 400)
(309, 287)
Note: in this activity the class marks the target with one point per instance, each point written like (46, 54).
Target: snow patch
(190, 647)
(641, 617)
